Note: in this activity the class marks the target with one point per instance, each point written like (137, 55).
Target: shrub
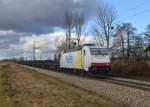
(130, 67)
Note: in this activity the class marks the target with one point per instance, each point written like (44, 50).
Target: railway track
(144, 85)
(136, 85)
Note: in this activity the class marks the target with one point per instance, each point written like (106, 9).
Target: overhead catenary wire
(138, 13)
(137, 6)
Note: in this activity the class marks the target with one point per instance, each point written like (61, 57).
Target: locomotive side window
(98, 51)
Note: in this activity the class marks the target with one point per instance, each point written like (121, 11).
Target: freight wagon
(88, 58)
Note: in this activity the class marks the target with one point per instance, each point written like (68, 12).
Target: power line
(137, 6)
(34, 58)
(136, 14)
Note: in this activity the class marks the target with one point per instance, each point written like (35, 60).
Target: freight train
(86, 59)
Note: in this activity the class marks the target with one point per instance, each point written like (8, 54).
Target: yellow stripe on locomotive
(78, 61)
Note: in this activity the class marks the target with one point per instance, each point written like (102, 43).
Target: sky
(25, 21)
(135, 11)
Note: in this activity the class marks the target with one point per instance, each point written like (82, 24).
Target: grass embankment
(131, 67)
(7, 98)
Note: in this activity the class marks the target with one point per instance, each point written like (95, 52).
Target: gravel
(123, 95)
(131, 80)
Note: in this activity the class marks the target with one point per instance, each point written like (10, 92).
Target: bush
(130, 67)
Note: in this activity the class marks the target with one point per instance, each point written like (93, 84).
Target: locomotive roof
(79, 48)
(73, 49)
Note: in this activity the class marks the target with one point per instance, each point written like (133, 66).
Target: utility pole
(34, 49)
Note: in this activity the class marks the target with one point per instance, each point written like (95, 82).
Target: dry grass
(32, 89)
(131, 68)
(5, 89)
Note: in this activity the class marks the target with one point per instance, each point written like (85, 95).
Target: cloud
(42, 41)
(23, 21)
(46, 45)
(9, 37)
(9, 44)
(40, 16)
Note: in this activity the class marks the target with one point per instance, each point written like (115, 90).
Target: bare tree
(138, 49)
(106, 15)
(62, 46)
(69, 25)
(99, 38)
(120, 38)
(129, 29)
(79, 22)
(147, 38)
(147, 33)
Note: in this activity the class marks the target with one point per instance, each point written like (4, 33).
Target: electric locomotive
(88, 58)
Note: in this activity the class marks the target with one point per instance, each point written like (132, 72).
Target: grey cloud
(40, 16)
(8, 38)
(21, 18)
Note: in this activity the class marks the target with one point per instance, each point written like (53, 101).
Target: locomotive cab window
(98, 51)
(84, 53)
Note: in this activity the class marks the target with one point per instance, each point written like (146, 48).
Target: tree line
(115, 36)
